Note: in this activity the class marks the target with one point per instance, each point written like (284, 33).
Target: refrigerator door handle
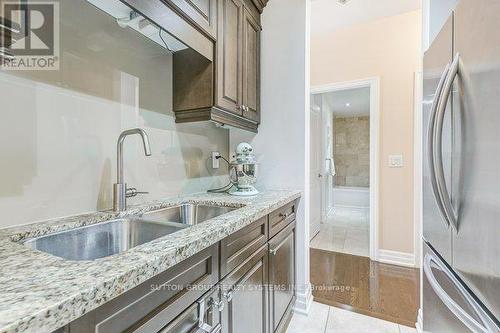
(437, 150)
(460, 313)
(430, 143)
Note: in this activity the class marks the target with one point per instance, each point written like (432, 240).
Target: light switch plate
(395, 161)
(215, 160)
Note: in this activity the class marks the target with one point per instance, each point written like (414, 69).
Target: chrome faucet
(120, 190)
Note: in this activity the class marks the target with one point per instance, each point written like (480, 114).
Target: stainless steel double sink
(115, 236)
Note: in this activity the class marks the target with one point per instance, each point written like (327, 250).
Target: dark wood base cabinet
(282, 277)
(246, 297)
(243, 284)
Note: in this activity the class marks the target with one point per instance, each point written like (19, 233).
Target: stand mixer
(243, 171)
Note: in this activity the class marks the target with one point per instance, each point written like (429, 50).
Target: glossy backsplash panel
(58, 129)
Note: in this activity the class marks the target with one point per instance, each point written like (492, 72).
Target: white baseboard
(304, 301)
(420, 323)
(396, 258)
(360, 208)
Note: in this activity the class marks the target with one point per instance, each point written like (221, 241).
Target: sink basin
(111, 237)
(188, 214)
(102, 239)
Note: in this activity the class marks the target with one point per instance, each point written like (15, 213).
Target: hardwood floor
(358, 284)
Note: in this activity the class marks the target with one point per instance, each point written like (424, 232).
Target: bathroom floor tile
(326, 319)
(347, 230)
(315, 322)
(406, 329)
(343, 321)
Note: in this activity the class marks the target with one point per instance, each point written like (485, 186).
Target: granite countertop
(40, 292)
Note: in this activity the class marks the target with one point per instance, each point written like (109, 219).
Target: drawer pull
(218, 305)
(284, 215)
(273, 252)
(228, 296)
(202, 325)
(216, 329)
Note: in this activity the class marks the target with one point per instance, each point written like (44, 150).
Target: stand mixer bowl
(243, 176)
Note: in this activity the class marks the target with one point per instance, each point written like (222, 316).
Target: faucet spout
(120, 188)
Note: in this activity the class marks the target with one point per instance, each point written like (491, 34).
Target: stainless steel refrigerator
(461, 191)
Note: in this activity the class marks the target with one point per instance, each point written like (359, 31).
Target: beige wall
(351, 151)
(390, 49)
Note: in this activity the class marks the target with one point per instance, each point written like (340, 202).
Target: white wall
(282, 143)
(434, 16)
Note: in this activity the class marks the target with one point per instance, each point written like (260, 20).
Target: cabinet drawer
(237, 247)
(203, 13)
(189, 321)
(281, 217)
(153, 304)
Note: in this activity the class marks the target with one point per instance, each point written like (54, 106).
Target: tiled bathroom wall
(352, 151)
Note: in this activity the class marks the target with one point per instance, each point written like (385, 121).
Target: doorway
(344, 167)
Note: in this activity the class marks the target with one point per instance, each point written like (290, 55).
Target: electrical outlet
(215, 160)
(395, 161)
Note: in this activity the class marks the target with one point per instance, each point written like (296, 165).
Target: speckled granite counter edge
(140, 263)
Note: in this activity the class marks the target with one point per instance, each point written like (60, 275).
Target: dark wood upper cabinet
(238, 57)
(251, 67)
(229, 55)
(260, 4)
(236, 71)
(203, 13)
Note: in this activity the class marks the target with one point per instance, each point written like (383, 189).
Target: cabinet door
(245, 294)
(229, 66)
(282, 276)
(202, 13)
(251, 67)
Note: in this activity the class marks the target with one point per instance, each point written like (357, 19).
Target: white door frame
(374, 84)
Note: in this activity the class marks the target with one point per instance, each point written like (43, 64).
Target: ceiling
(349, 103)
(329, 15)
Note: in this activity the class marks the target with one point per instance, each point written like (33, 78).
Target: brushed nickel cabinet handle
(285, 215)
(228, 296)
(218, 305)
(202, 325)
